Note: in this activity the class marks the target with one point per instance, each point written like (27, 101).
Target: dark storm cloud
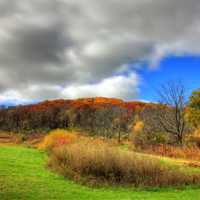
(42, 45)
(7, 8)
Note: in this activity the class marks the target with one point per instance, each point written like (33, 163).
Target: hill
(90, 114)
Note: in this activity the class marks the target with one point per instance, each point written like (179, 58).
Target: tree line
(170, 120)
(98, 116)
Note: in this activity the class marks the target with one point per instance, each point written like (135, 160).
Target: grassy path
(23, 176)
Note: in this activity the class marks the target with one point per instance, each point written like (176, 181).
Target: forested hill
(92, 114)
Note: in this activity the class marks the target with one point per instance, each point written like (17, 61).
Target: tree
(171, 114)
(147, 129)
(193, 109)
(103, 121)
(121, 122)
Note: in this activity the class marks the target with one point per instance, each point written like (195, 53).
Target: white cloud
(118, 86)
(10, 93)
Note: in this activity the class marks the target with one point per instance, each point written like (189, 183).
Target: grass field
(23, 175)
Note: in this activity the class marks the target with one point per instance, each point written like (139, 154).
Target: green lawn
(23, 176)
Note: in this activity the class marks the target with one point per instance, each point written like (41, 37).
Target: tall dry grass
(102, 164)
(185, 152)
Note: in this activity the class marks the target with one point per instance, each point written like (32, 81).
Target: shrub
(57, 138)
(195, 138)
(101, 164)
(186, 152)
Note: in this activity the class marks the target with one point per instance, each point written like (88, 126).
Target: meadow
(24, 174)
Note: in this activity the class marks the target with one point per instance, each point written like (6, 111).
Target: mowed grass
(23, 175)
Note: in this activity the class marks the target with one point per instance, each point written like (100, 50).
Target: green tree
(193, 109)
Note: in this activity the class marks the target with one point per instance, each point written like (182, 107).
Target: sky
(185, 69)
(87, 48)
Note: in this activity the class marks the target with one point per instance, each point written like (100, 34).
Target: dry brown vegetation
(102, 164)
(187, 152)
(57, 138)
(11, 138)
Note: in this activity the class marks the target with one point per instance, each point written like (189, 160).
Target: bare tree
(121, 122)
(172, 99)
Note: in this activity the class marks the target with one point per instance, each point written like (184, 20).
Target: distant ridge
(93, 102)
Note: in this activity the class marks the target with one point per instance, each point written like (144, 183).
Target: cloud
(118, 86)
(50, 45)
